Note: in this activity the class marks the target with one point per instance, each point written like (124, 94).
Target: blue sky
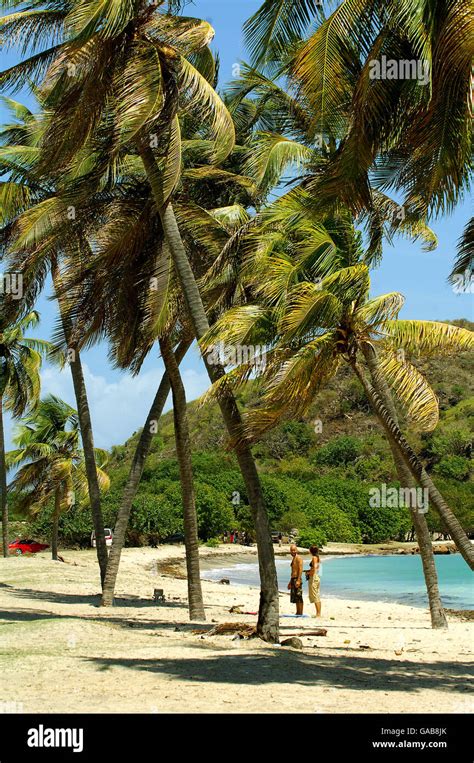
(119, 403)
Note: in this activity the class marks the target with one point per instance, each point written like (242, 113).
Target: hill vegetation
(317, 473)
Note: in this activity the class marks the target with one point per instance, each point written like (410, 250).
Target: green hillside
(316, 473)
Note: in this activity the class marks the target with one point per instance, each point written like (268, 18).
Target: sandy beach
(61, 652)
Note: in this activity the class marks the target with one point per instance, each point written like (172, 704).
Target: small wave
(233, 570)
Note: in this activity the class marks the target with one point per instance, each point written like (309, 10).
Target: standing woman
(314, 583)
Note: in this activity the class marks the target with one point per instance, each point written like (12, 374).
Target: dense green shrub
(298, 468)
(213, 542)
(371, 468)
(75, 526)
(381, 524)
(348, 495)
(454, 467)
(282, 495)
(158, 513)
(453, 440)
(291, 438)
(339, 452)
(215, 511)
(293, 520)
(311, 537)
(331, 521)
(460, 497)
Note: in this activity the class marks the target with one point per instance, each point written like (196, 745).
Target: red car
(20, 547)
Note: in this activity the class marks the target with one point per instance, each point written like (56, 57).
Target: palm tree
(21, 191)
(123, 222)
(132, 218)
(20, 361)
(423, 536)
(52, 466)
(287, 297)
(413, 133)
(28, 249)
(138, 60)
(269, 155)
(464, 264)
(287, 149)
(312, 250)
(183, 452)
(305, 245)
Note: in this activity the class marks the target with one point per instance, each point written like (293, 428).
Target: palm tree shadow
(92, 599)
(303, 669)
(11, 616)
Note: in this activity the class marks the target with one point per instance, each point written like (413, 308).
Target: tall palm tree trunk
(85, 424)
(3, 484)
(183, 452)
(134, 477)
(268, 615)
(55, 529)
(438, 617)
(416, 468)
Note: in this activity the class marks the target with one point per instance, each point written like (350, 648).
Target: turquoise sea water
(375, 578)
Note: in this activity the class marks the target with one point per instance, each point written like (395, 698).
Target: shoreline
(222, 562)
(216, 560)
(392, 548)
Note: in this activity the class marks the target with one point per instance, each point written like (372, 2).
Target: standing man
(295, 586)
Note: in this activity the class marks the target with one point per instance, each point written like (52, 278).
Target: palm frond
(107, 18)
(377, 311)
(28, 71)
(326, 66)
(412, 390)
(309, 310)
(139, 90)
(32, 29)
(276, 24)
(185, 33)
(232, 218)
(428, 337)
(464, 263)
(202, 101)
(243, 325)
(172, 170)
(270, 155)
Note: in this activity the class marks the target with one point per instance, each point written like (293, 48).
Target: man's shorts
(296, 593)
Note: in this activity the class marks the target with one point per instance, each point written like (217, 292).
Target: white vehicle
(109, 536)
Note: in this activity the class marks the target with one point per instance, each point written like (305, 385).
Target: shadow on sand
(93, 600)
(283, 667)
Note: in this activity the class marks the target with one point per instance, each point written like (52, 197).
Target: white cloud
(118, 408)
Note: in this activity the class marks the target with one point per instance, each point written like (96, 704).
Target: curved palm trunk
(438, 617)
(416, 468)
(134, 477)
(85, 424)
(3, 484)
(183, 452)
(55, 529)
(268, 616)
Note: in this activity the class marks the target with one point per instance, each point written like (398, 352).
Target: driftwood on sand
(226, 629)
(248, 631)
(317, 632)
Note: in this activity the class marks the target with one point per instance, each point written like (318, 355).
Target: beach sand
(60, 652)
